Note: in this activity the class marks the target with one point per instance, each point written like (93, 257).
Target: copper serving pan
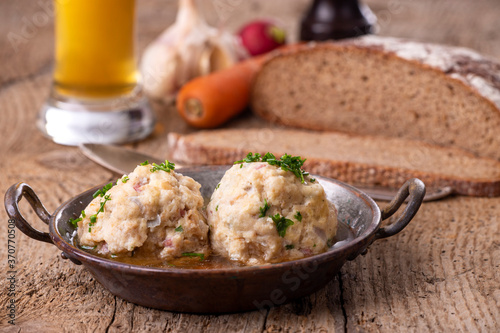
(228, 289)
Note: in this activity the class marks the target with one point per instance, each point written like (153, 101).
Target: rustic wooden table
(440, 274)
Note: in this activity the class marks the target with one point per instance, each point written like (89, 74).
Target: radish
(260, 37)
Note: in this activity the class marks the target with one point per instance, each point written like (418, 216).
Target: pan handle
(12, 197)
(415, 189)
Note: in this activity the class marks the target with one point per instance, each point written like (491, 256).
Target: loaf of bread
(355, 159)
(384, 86)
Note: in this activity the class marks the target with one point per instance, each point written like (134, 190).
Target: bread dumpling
(262, 214)
(154, 211)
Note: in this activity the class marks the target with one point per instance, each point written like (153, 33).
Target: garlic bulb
(187, 49)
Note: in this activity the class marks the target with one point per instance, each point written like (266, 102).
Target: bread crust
(462, 68)
(347, 47)
(185, 149)
(456, 63)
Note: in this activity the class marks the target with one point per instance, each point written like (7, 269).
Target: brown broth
(344, 235)
(210, 262)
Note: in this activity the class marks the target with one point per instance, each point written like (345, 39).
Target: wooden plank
(440, 274)
(321, 312)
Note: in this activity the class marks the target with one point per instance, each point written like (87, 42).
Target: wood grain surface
(441, 274)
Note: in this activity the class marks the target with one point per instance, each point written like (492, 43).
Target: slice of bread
(384, 86)
(359, 160)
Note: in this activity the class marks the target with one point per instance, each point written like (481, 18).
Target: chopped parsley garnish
(93, 218)
(263, 210)
(281, 223)
(314, 245)
(74, 222)
(124, 179)
(269, 158)
(146, 162)
(191, 254)
(83, 214)
(298, 216)
(293, 164)
(101, 207)
(286, 162)
(217, 208)
(179, 229)
(217, 187)
(103, 190)
(165, 166)
(289, 247)
(329, 242)
(250, 158)
(312, 180)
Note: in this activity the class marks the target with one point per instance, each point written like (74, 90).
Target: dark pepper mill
(336, 19)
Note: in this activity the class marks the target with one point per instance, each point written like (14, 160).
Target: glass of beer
(96, 96)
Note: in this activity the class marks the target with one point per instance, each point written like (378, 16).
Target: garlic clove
(205, 63)
(214, 58)
(159, 71)
(187, 49)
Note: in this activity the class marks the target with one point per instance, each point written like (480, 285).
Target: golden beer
(95, 54)
(95, 95)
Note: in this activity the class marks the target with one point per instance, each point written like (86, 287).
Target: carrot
(211, 100)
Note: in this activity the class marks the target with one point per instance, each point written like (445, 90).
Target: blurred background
(26, 26)
(27, 42)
